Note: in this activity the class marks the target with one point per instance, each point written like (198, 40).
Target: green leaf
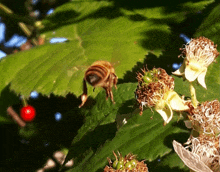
(125, 34)
(8, 98)
(210, 26)
(145, 137)
(101, 118)
(104, 112)
(142, 135)
(169, 163)
(98, 30)
(4, 120)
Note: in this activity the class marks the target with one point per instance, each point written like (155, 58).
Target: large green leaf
(97, 30)
(143, 135)
(123, 34)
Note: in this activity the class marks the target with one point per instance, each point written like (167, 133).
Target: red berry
(28, 113)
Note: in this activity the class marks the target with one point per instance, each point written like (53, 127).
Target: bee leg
(84, 95)
(111, 80)
(115, 80)
(107, 92)
(111, 96)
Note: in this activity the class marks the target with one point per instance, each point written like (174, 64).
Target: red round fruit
(28, 113)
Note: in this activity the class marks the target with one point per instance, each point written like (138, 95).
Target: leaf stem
(24, 102)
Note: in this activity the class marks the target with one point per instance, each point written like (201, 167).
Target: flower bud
(126, 164)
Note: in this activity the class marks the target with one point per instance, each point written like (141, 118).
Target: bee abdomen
(95, 74)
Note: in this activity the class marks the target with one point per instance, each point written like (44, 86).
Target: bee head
(93, 79)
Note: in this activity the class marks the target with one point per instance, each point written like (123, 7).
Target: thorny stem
(193, 95)
(16, 117)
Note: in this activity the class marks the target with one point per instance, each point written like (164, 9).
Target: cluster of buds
(155, 89)
(129, 163)
(205, 148)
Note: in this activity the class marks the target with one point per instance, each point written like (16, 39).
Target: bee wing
(190, 159)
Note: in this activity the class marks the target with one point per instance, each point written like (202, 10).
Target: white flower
(206, 118)
(202, 156)
(190, 159)
(199, 54)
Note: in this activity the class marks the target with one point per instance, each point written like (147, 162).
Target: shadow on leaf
(92, 140)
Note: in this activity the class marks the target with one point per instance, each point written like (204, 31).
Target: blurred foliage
(130, 35)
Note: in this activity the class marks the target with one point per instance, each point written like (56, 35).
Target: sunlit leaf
(98, 30)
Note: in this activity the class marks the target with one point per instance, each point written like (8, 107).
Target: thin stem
(193, 95)
(16, 117)
(5, 9)
(24, 102)
(24, 28)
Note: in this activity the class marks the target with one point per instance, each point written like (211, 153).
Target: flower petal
(175, 102)
(190, 159)
(201, 78)
(180, 71)
(191, 74)
(164, 110)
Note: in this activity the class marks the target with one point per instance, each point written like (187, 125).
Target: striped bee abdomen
(95, 74)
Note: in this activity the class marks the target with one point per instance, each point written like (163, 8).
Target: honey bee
(100, 74)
